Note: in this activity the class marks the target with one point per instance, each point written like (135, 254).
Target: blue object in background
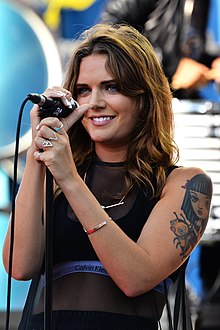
(193, 273)
(74, 22)
(214, 20)
(211, 91)
(19, 289)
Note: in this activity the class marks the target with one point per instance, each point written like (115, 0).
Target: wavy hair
(137, 72)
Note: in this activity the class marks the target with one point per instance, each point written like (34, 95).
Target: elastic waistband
(95, 267)
(70, 267)
(78, 267)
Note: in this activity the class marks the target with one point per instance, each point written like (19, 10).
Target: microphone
(51, 107)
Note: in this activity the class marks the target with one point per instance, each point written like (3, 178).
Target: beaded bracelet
(90, 231)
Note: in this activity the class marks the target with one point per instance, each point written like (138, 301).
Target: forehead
(94, 66)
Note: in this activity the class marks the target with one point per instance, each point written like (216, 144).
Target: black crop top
(70, 241)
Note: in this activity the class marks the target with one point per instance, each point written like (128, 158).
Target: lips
(102, 119)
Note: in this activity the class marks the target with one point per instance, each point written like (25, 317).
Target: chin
(98, 137)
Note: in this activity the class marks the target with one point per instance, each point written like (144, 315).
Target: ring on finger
(54, 137)
(57, 129)
(37, 155)
(46, 144)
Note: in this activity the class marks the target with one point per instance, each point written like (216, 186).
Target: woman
(117, 189)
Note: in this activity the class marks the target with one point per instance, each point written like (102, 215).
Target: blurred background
(36, 40)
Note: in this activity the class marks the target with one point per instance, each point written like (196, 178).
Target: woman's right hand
(66, 97)
(54, 92)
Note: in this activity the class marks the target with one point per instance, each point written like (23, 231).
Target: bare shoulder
(188, 179)
(185, 175)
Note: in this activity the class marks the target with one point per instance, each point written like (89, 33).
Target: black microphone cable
(14, 185)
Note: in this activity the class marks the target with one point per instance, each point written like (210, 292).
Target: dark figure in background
(178, 38)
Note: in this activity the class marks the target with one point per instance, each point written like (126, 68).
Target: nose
(97, 99)
(201, 205)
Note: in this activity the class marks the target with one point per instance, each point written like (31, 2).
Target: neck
(112, 155)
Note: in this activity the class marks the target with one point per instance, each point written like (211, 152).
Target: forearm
(28, 227)
(126, 262)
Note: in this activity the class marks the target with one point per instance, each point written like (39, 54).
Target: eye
(82, 91)
(112, 88)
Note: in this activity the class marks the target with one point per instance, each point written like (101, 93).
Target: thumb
(76, 115)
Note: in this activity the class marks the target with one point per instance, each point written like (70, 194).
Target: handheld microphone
(51, 107)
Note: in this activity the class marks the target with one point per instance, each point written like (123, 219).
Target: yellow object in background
(52, 14)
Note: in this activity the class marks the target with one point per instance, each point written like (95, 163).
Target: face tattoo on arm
(189, 226)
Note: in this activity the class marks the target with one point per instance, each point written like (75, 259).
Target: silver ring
(57, 129)
(46, 143)
(54, 138)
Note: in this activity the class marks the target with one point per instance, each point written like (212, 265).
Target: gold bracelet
(90, 231)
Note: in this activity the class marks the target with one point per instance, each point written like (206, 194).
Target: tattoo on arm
(189, 226)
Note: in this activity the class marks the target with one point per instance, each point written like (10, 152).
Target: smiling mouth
(102, 119)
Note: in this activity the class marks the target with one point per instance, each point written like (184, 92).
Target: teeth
(102, 118)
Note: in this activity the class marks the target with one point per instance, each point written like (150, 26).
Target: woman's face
(200, 204)
(112, 116)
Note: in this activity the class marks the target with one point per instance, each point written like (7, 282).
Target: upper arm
(177, 222)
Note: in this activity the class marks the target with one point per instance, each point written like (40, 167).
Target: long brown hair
(137, 73)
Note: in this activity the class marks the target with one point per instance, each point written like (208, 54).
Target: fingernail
(67, 103)
(37, 154)
(74, 102)
(37, 127)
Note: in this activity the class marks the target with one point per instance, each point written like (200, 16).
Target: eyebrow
(105, 82)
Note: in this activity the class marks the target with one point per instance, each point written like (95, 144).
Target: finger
(59, 128)
(64, 95)
(79, 112)
(54, 94)
(57, 89)
(66, 102)
(42, 143)
(47, 132)
(59, 92)
(54, 137)
(37, 155)
(47, 124)
(47, 144)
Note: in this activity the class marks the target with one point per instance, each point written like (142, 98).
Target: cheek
(85, 123)
(131, 124)
(130, 117)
